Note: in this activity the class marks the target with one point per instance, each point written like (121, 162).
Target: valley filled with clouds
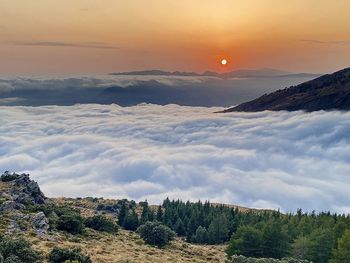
(132, 90)
(285, 160)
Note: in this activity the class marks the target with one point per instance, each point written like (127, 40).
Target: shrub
(101, 223)
(61, 255)
(243, 259)
(72, 223)
(154, 233)
(17, 251)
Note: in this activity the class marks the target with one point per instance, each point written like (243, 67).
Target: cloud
(66, 44)
(334, 42)
(266, 159)
(133, 90)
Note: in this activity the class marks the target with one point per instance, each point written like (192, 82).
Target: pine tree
(179, 227)
(342, 253)
(122, 214)
(275, 240)
(131, 221)
(218, 230)
(145, 212)
(201, 236)
(159, 216)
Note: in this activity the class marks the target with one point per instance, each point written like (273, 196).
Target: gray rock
(40, 223)
(22, 189)
(8, 206)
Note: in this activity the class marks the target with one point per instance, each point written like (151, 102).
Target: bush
(72, 223)
(101, 223)
(243, 259)
(61, 255)
(17, 251)
(154, 233)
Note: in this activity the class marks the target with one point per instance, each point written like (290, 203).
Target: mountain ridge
(239, 73)
(327, 92)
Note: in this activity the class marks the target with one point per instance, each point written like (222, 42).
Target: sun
(224, 61)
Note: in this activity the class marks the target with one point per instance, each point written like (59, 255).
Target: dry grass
(123, 247)
(128, 247)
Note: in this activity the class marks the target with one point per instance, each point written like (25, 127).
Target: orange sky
(100, 36)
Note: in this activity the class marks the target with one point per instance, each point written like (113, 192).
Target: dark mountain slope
(328, 92)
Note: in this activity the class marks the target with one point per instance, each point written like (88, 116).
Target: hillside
(328, 92)
(24, 213)
(35, 229)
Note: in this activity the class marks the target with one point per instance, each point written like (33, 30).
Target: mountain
(328, 92)
(240, 73)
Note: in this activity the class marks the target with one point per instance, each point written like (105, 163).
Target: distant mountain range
(328, 92)
(241, 73)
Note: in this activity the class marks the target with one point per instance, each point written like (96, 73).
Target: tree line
(322, 237)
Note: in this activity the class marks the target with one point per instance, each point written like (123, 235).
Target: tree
(145, 215)
(60, 255)
(201, 236)
(218, 230)
(247, 241)
(179, 227)
(122, 214)
(302, 248)
(342, 253)
(275, 240)
(131, 221)
(154, 233)
(322, 245)
(159, 216)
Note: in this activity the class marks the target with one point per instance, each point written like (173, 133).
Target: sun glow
(223, 62)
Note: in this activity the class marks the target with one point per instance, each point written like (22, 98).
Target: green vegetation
(17, 251)
(71, 223)
(243, 259)
(154, 233)
(251, 233)
(62, 255)
(101, 223)
(342, 253)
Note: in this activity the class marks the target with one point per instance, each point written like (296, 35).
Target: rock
(22, 189)
(13, 227)
(40, 223)
(8, 206)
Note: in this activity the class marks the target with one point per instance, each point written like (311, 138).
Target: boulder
(9, 206)
(40, 223)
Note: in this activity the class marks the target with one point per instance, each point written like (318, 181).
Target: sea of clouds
(285, 160)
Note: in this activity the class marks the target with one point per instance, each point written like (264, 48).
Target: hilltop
(328, 92)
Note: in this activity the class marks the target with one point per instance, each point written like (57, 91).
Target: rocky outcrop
(18, 191)
(40, 223)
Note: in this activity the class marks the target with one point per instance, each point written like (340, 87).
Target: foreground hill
(34, 228)
(26, 212)
(328, 92)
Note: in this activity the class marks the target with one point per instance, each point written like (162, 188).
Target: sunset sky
(101, 36)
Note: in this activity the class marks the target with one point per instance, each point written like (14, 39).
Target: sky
(285, 160)
(101, 36)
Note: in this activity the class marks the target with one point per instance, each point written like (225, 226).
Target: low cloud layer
(133, 90)
(66, 44)
(264, 160)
